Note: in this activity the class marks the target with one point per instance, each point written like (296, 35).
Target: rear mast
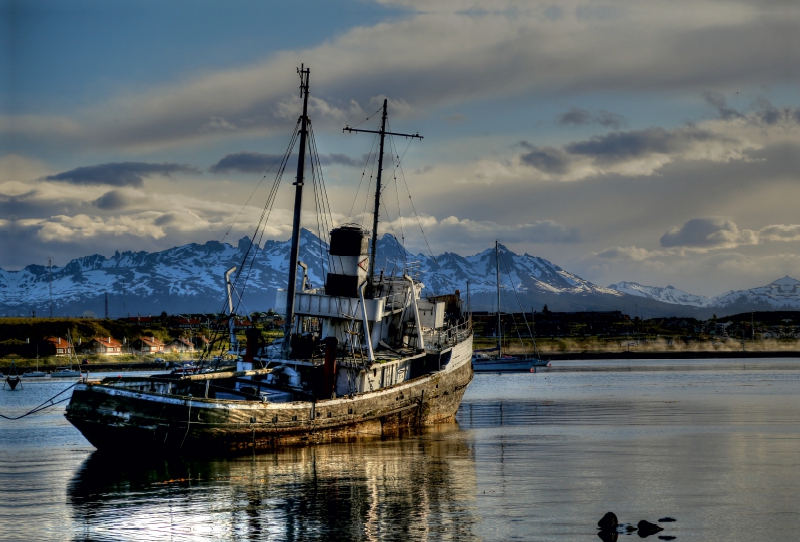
(499, 321)
(376, 212)
(294, 255)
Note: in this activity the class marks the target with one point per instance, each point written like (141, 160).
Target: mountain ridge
(189, 278)
(783, 293)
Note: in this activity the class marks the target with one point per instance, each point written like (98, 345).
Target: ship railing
(413, 270)
(395, 301)
(438, 339)
(398, 268)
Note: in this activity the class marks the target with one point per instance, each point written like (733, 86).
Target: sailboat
(481, 362)
(365, 354)
(37, 373)
(67, 372)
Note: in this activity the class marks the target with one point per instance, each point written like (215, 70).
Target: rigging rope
(524, 318)
(413, 207)
(361, 181)
(45, 405)
(255, 240)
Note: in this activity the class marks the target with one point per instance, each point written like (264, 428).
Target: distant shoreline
(588, 356)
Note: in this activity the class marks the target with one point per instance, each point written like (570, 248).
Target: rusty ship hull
(128, 417)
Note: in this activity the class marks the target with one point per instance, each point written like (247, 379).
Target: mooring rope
(47, 404)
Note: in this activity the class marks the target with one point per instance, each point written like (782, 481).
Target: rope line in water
(47, 404)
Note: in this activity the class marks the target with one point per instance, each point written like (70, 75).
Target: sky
(655, 142)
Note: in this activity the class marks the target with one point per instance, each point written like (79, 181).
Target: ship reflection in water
(422, 487)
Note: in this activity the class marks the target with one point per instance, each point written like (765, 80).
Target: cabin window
(349, 410)
(329, 414)
(252, 419)
(294, 418)
(274, 419)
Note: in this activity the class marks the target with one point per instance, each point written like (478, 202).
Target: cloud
(447, 55)
(716, 232)
(464, 234)
(708, 232)
(780, 232)
(765, 113)
(718, 101)
(618, 147)
(253, 162)
(770, 115)
(119, 173)
(115, 200)
(541, 231)
(628, 253)
(547, 159)
(635, 152)
(581, 117)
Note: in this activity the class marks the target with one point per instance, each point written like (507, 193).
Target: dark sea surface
(714, 444)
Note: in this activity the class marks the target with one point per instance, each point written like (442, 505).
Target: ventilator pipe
(421, 344)
(367, 338)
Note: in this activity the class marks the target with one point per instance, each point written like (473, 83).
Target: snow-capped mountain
(189, 278)
(521, 273)
(781, 294)
(669, 294)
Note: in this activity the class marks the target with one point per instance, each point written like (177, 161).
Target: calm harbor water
(713, 444)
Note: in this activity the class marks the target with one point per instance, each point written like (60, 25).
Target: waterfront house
(58, 346)
(147, 345)
(107, 346)
(181, 344)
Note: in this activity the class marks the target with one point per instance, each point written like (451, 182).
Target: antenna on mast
(383, 133)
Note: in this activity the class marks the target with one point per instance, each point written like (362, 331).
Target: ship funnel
(349, 261)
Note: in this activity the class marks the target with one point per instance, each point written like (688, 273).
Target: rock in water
(608, 522)
(646, 528)
(667, 519)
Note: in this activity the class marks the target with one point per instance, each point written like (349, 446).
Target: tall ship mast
(366, 353)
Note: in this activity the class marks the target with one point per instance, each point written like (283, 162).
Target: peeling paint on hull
(124, 418)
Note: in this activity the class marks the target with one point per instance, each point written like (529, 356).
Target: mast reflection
(421, 487)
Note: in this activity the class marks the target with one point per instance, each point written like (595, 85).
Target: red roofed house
(181, 344)
(59, 346)
(108, 346)
(148, 345)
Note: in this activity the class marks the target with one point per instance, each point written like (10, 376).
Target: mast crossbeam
(383, 133)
